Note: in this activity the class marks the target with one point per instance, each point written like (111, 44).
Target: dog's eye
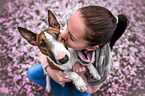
(57, 35)
(42, 44)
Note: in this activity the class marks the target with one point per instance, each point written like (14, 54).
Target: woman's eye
(43, 44)
(72, 38)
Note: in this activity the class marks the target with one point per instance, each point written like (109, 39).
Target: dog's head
(49, 41)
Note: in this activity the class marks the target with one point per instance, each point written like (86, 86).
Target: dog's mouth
(66, 45)
(60, 61)
(52, 58)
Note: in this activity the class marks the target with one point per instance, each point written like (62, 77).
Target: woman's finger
(77, 67)
(64, 77)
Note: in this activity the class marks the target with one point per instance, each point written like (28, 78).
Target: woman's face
(75, 33)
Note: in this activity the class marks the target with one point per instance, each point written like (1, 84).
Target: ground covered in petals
(17, 56)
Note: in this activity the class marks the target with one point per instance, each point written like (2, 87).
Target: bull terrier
(61, 58)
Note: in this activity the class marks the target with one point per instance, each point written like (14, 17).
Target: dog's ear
(28, 35)
(52, 20)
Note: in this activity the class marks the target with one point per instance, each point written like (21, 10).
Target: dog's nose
(64, 60)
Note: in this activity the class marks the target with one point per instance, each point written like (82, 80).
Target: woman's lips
(65, 43)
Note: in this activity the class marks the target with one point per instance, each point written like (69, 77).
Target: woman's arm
(81, 70)
(56, 75)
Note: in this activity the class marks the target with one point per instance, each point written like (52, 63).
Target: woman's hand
(58, 76)
(79, 69)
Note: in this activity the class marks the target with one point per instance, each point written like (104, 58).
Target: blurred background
(17, 56)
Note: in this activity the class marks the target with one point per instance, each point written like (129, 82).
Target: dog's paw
(78, 81)
(94, 72)
(96, 76)
(80, 85)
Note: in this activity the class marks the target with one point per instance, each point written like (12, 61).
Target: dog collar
(45, 69)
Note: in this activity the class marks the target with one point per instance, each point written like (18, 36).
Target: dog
(61, 58)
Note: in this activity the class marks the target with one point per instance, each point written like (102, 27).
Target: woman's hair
(102, 26)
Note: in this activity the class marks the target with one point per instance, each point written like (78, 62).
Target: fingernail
(66, 76)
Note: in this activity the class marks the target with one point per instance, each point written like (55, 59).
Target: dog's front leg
(94, 72)
(48, 86)
(78, 81)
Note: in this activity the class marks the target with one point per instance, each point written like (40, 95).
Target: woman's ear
(92, 48)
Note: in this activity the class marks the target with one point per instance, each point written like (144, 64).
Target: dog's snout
(64, 60)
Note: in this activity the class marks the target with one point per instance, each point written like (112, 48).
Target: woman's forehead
(76, 24)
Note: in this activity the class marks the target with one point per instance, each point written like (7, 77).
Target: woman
(92, 31)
